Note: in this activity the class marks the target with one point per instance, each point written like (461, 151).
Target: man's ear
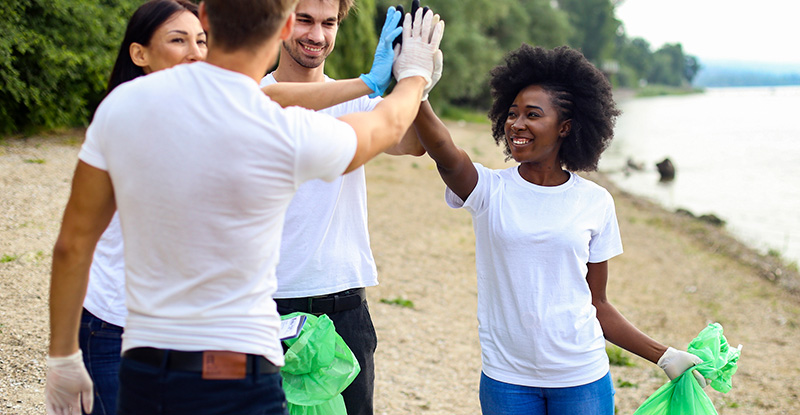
(566, 126)
(138, 55)
(203, 16)
(288, 27)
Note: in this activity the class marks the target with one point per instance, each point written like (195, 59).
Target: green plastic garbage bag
(683, 395)
(318, 367)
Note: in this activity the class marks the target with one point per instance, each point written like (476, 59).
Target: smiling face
(314, 33)
(534, 131)
(180, 39)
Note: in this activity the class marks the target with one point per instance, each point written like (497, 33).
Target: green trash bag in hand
(683, 395)
(719, 360)
(318, 367)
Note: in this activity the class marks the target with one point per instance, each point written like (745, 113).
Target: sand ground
(677, 275)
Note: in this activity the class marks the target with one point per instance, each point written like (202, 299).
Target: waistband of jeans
(193, 361)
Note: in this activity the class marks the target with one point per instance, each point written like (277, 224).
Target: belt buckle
(224, 365)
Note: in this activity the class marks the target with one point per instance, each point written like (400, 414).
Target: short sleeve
(478, 200)
(325, 145)
(91, 151)
(606, 243)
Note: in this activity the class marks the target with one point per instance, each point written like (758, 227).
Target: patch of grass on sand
(618, 357)
(398, 301)
(8, 258)
(625, 384)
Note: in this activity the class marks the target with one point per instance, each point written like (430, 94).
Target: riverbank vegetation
(661, 90)
(55, 55)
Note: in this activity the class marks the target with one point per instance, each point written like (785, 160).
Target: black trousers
(355, 327)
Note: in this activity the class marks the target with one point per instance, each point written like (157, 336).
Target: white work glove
(421, 39)
(67, 382)
(438, 62)
(675, 362)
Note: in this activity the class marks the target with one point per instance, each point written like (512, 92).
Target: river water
(736, 153)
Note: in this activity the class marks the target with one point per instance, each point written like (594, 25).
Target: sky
(758, 31)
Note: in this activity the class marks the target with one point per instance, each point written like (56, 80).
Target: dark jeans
(101, 343)
(149, 390)
(355, 327)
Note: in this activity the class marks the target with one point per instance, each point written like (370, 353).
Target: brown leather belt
(213, 364)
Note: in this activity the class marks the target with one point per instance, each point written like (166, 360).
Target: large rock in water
(666, 170)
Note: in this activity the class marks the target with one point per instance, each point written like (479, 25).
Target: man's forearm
(69, 278)
(89, 210)
(403, 103)
(382, 128)
(316, 95)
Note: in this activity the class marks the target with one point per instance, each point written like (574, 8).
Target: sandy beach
(677, 275)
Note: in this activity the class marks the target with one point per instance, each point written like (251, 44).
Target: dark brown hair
(240, 24)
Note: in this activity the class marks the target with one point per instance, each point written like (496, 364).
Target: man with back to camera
(325, 258)
(185, 156)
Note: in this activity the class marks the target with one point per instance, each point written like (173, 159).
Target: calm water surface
(736, 153)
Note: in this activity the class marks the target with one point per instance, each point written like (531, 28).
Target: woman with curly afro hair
(544, 236)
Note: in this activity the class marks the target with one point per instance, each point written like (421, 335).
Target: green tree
(668, 66)
(636, 54)
(690, 68)
(478, 33)
(55, 57)
(355, 42)
(595, 27)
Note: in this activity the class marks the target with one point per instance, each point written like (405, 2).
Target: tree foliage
(595, 27)
(355, 42)
(478, 33)
(55, 57)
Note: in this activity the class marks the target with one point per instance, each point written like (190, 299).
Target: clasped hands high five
(417, 55)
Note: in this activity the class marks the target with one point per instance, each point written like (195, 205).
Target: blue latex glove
(380, 75)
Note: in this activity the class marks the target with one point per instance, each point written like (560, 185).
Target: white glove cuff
(414, 72)
(665, 358)
(76, 357)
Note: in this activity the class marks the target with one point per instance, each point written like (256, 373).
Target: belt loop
(164, 363)
(310, 302)
(252, 361)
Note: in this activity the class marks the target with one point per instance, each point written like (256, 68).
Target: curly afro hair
(577, 88)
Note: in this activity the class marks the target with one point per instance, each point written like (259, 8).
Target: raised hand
(422, 35)
(380, 76)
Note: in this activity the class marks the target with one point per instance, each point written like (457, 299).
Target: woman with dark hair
(160, 34)
(544, 236)
(149, 45)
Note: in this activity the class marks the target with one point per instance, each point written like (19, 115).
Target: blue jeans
(149, 390)
(101, 343)
(498, 398)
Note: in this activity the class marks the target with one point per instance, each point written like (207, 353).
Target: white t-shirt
(537, 324)
(325, 244)
(204, 166)
(105, 295)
